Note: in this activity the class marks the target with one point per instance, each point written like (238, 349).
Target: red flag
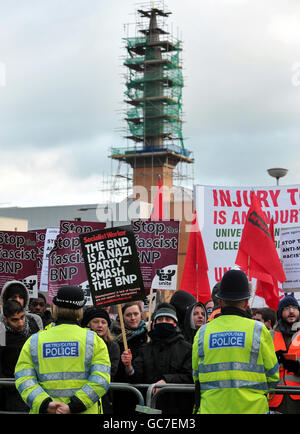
(194, 277)
(269, 289)
(257, 254)
(158, 209)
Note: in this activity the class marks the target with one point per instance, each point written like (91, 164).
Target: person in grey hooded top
(195, 317)
(16, 290)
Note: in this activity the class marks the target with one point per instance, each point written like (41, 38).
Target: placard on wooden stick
(112, 267)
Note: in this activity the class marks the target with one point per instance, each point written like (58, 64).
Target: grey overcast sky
(61, 93)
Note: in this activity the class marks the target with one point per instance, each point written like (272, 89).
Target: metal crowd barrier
(10, 382)
(150, 406)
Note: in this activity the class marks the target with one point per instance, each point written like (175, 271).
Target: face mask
(163, 330)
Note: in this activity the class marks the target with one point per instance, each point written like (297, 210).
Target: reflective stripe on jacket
(215, 313)
(287, 379)
(235, 363)
(61, 362)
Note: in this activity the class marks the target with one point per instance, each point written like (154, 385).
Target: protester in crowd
(98, 320)
(16, 290)
(286, 342)
(65, 369)
(195, 317)
(181, 300)
(38, 306)
(234, 362)
(216, 311)
(267, 316)
(18, 328)
(167, 358)
(209, 305)
(136, 336)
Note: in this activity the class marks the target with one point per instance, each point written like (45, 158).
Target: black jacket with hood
(189, 329)
(169, 359)
(182, 300)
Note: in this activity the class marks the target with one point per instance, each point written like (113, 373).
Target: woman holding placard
(136, 336)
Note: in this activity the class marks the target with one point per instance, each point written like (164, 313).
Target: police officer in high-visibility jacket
(234, 361)
(65, 369)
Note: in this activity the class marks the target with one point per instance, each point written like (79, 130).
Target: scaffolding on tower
(153, 96)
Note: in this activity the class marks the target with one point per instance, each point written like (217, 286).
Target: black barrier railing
(151, 398)
(149, 406)
(10, 382)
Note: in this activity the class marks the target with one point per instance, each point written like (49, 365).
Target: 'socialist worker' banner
(157, 245)
(112, 266)
(18, 259)
(222, 213)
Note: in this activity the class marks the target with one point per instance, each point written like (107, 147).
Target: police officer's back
(234, 361)
(65, 369)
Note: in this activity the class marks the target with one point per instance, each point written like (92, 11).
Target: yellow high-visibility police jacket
(235, 362)
(64, 363)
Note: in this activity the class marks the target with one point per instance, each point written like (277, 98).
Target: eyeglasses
(285, 309)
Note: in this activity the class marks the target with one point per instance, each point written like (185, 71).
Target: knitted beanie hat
(288, 300)
(94, 312)
(165, 309)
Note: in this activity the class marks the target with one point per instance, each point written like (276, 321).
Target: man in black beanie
(287, 347)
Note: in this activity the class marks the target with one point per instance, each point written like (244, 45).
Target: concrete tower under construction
(153, 95)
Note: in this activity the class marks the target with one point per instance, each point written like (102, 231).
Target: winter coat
(13, 345)
(168, 359)
(124, 402)
(9, 354)
(135, 339)
(114, 355)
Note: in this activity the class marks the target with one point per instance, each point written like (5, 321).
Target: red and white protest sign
(66, 264)
(18, 259)
(222, 213)
(157, 246)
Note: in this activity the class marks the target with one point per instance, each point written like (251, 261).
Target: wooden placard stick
(122, 328)
(150, 309)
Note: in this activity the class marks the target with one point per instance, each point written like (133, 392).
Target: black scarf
(25, 333)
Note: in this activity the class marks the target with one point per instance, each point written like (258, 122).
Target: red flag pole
(250, 284)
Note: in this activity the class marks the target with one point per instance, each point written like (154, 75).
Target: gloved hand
(289, 365)
(280, 356)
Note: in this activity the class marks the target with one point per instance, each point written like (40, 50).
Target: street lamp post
(277, 172)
